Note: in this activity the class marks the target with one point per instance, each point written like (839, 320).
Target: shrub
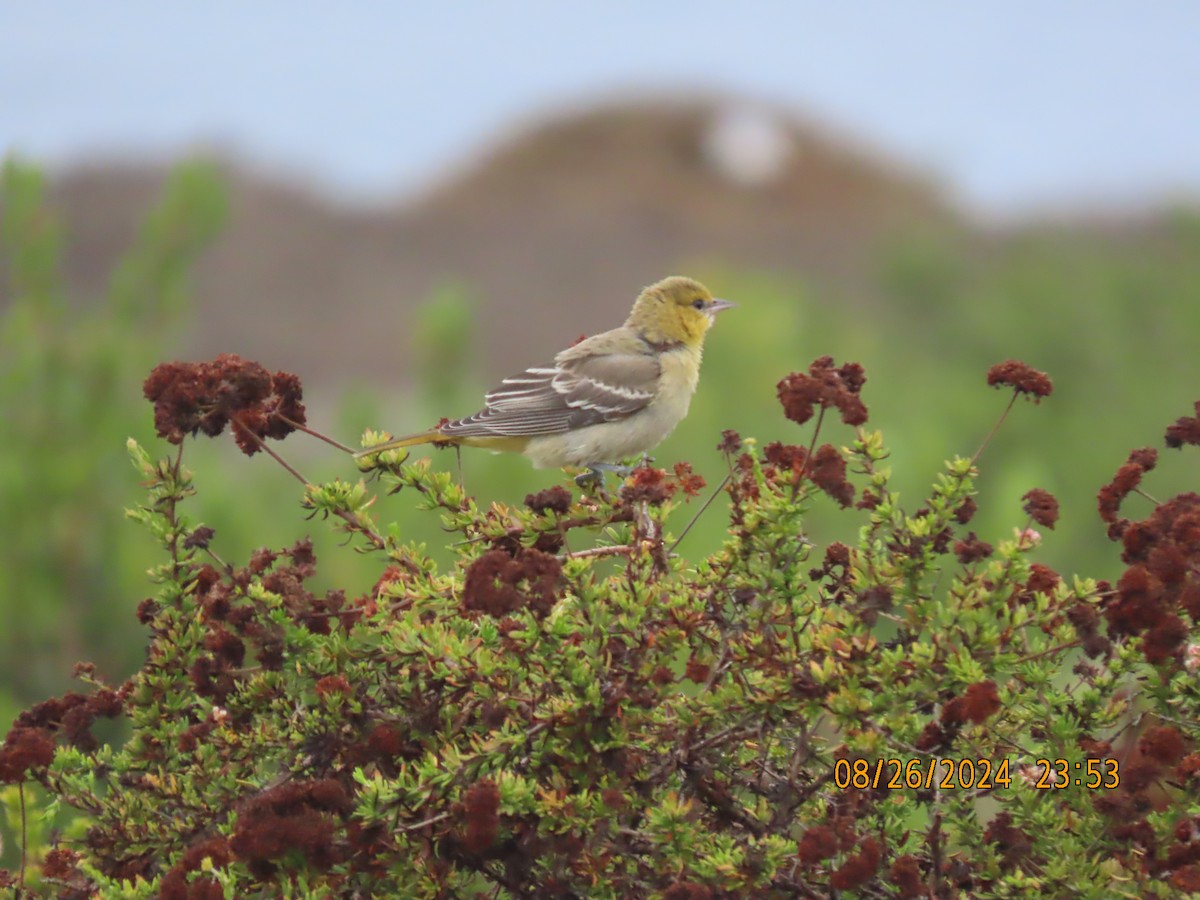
(574, 710)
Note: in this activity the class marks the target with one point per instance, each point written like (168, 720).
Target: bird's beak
(718, 304)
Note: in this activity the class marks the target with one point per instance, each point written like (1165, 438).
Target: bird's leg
(595, 472)
(593, 478)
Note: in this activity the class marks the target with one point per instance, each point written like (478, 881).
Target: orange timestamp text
(972, 774)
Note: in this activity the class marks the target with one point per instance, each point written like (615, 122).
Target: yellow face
(676, 309)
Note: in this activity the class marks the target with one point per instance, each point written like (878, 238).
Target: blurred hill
(560, 225)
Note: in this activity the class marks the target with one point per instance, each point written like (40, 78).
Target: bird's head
(676, 310)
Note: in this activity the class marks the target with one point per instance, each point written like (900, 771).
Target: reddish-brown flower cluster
(235, 623)
(1157, 759)
(303, 816)
(1161, 584)
(816, 844)
(905, 874)
(1021, 378)
(498, 583)
(333, 686)
(29, 745)
(654, 486)
(25, 749)
(175, 885)
(1012, 842)
(1086, 620)
(552, 499)
(978, 703)
(688, 890)
(481, 808)
(839, 835)
(689, 482)
(731, 442)
(825, 386)
(971, 549)
(205, 397)
(1128, 477)
(826, 467)
(859, 868)
(61, 868)
(648, 485)
(1042, 580)
(835, 570)
(697, 671)
(1163, 744)
(1186, 430)
(1041, 506)
(966, 511)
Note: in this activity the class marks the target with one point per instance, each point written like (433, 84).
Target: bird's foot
(596, 471)
(593, 478)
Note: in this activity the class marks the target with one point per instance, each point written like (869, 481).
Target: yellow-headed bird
(609, 397)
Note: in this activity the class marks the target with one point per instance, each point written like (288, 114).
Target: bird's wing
(590, 383)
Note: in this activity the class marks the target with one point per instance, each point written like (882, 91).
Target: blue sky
(1017, 105)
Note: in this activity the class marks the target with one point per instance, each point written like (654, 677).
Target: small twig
(178, 461)
(1143, 494)
(1048, 651)
(707, 503)
(802, 473)
(430, 821)
(616, 550)
(933, 840)
(24, 841)
(316, 434)
(348, 517)
(812, 447)
(991, 434)
(377, 539)
(262, 445)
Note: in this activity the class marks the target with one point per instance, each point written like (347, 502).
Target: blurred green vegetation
(1113, 321)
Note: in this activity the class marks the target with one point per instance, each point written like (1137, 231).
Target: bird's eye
(698, 303)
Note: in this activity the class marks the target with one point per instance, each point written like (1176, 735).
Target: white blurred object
(747, 144)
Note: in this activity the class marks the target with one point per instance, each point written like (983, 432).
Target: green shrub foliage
(576, 709)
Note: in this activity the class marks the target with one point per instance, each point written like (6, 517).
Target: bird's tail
(424, 437)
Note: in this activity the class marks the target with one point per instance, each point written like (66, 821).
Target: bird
(607, 398)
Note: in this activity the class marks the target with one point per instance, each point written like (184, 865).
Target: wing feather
(585, 387)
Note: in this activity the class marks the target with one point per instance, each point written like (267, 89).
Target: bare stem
(24, 841)
(707, 503)
(430, 821)
(262, 445)
(316, 434)
(995, 428)
(616, 550)
(348, 517)
(812, 447)
(1049, 651)
(1142, 493)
